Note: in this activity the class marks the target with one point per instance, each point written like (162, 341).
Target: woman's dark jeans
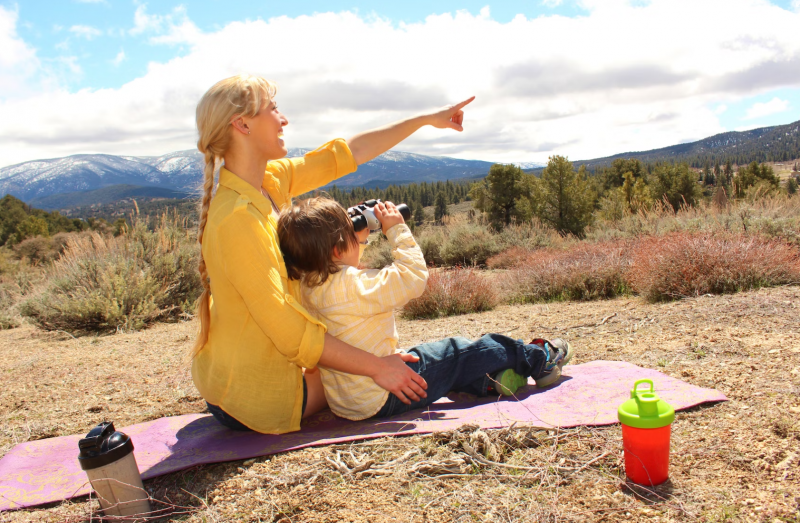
(462, 365)
(232, 423)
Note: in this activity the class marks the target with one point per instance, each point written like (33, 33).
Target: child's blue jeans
(462, 365)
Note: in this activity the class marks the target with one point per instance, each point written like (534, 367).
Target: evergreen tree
(676, 184)
(563, 198)
(440, 207)
(752, 174)
(499, 193)
(791, 186)
(727, 174)
(419, 213)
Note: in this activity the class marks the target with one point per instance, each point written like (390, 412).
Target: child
(322, 250)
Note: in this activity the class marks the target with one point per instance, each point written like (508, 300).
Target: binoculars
(363, 215)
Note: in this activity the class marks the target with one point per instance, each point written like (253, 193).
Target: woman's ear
(239, 124)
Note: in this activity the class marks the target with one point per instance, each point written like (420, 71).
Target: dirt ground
(733, 461)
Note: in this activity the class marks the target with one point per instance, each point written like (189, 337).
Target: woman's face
(266, 130)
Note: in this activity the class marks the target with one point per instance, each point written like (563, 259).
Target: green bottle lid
(645, 410)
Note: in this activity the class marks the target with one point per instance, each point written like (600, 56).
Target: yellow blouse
(260, 335)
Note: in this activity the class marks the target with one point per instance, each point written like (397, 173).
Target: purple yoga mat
(47, 470)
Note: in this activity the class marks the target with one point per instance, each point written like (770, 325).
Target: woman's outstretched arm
(390, 372)
(367, 145)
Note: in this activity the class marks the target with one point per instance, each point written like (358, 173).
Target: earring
(248, 131)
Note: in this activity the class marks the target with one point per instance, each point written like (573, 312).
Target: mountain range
(779, 143)
(182, 172)
(100, 178)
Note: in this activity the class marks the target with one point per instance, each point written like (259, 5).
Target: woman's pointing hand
(449, 117)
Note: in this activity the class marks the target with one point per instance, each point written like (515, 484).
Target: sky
(579, 78)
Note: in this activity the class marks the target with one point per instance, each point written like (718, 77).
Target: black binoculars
(363, 215)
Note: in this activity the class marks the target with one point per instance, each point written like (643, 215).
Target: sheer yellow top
(260, 336)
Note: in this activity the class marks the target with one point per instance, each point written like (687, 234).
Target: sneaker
(560, 354)
(507, 382)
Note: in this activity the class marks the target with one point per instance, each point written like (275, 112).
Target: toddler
(321, 248)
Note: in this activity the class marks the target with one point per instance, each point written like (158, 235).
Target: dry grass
(104, 283)
(585, 271)
(735, 461)
(451, 292)
(682, 265)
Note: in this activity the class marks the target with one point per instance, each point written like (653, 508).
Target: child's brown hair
(308, 232)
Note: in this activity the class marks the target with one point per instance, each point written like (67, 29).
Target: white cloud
(70, 63)
(174, 27)
(18, 61)
(796, 5)
(119, 58)
(613, 80)
(552, 3)
(143, 22)
(85, 31)
(721, 108)
(774, 106)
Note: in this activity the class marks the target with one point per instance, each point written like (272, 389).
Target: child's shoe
(560, 354)
(507, 382)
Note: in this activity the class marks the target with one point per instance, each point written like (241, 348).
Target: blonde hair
(241, 95)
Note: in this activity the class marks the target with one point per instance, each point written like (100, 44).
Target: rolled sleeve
(315, 169)
(254, 265)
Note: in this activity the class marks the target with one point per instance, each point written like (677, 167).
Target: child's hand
(388, 215)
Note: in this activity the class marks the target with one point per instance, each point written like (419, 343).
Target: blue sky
(583, 78)
(46, 24)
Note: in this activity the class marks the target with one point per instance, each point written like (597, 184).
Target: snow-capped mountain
(183, 171)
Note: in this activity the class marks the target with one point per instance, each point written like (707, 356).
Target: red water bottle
(646, 424)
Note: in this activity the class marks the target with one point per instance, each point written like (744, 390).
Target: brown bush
(451, 292)
(107, 284)
(36, 250)
(583, 272)
(682, 264)
(509, 258)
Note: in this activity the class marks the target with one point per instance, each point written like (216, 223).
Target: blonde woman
(255, 337)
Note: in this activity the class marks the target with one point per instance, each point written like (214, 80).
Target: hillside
(780, 143)
(182, 171)
(106, 195)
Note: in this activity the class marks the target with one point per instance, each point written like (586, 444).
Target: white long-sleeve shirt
(358, 307)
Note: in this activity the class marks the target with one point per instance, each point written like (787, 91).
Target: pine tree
(563, 197)
(440, 207)
(676, 184)
(791, 186)
(499, 193)
(419, 213)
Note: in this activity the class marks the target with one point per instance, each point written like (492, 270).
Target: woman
(255, 337)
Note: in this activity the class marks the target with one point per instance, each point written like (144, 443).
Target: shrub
(531, 236)
(104, 284)
(451, 292)
(7, 302)
(509, 258)
(36, 250)
(377, 255)
(692, 264)
(430, 240)
(583, 272)
(468, 244)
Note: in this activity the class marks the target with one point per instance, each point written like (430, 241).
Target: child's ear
(337, 254)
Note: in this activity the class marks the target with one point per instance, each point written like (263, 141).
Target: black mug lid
(102, 446)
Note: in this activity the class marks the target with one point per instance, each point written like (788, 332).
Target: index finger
(462, 104)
